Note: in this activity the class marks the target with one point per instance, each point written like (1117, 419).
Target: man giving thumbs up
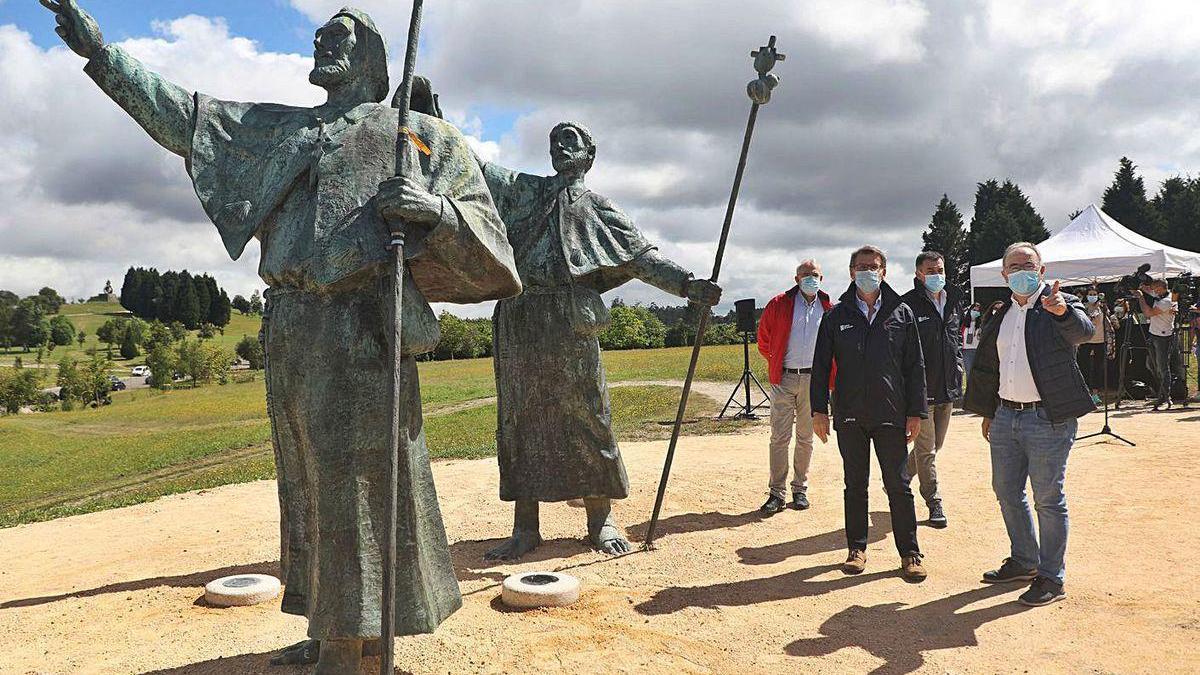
(1027, 386)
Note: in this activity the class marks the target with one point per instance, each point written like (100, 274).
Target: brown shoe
(856, 562)
(912, 567)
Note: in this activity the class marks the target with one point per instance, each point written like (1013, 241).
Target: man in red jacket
(787, 335)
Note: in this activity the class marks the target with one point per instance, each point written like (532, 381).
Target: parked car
(118, 386)
(140, 371)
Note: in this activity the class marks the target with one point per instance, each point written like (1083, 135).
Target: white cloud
(881, 30)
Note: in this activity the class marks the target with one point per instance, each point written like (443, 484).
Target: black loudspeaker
(746, 322)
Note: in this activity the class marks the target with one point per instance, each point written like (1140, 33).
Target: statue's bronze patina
(555, 439)
(316, 187)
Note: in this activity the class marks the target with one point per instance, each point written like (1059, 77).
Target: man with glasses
(1027, 386)
(880, 385)
(787, 336)
(938, 309)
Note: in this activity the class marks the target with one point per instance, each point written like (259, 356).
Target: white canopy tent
(1094, 247)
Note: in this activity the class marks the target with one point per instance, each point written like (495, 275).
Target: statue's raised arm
(165, 110)
(76, 27)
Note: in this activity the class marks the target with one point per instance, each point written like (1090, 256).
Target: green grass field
(150, 443)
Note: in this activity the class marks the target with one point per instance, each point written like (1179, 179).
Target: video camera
(1130, 285)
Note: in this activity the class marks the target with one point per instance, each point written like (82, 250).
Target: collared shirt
(862, 307)
(802, 341)
(1016, 377)
(940, 303)
(1163, 325)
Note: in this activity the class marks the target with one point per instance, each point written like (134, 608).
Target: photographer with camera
(1161, 312)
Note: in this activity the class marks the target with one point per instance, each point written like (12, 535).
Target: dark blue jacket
(880, 371)
(941, 342)
(1050, 342)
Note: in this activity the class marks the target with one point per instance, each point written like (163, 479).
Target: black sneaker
(799, 501)
(1042, 592)
(937, 517)
(1009, 571)
(772, 506)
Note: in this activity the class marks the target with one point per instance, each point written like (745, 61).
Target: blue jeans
(1026, 446)
(968, 361)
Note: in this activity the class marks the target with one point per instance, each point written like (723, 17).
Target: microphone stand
(1107, 430)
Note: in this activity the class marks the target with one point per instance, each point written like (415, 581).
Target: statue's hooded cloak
(371, 49)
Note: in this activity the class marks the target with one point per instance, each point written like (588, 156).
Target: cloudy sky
(884, 105)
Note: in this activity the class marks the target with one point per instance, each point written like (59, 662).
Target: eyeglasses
(1027, 267)
(867, 268)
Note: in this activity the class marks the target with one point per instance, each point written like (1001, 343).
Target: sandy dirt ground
(726, 591)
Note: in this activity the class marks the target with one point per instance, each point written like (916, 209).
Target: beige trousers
(791, 411)
(921, 461)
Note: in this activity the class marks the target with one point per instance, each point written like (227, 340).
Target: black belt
(798, 371)
(1013, 405)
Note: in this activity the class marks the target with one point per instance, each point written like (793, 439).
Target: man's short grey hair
(1013, 248)
(808, 262)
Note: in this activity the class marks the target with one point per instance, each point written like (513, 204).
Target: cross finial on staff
(766, 57)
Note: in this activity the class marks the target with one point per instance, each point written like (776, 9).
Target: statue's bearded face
(332, 53)
(570, 152)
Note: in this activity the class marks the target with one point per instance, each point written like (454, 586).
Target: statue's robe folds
(555, 439)
(302, 181)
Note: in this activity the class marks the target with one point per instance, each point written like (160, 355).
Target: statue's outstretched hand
(76, 27)
(703, 292)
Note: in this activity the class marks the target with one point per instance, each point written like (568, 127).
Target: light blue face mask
(974, 314)
(1024, 282)
(867, 281)
(1093, 299)
(935, 282)
(810, 285)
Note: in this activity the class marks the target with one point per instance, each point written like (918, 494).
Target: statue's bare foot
(610, 540)
(339, 657)
(522, 542)
(303, 653)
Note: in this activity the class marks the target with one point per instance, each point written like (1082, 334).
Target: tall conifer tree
(947, 236)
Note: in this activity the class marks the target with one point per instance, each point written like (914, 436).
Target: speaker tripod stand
(746, 410)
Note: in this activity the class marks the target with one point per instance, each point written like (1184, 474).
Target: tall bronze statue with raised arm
(317, 188)
(555, 439)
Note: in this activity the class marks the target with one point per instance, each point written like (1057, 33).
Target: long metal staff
(759, 91)
(388, 624)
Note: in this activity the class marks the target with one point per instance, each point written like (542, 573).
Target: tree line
(632, 327)
(175, 296)
(34, 321)
(1003, 214)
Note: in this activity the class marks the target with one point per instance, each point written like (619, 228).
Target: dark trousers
(1168, 363)
(1091, 361)
(854, 442)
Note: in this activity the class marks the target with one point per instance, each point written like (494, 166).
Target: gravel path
(725, 591)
